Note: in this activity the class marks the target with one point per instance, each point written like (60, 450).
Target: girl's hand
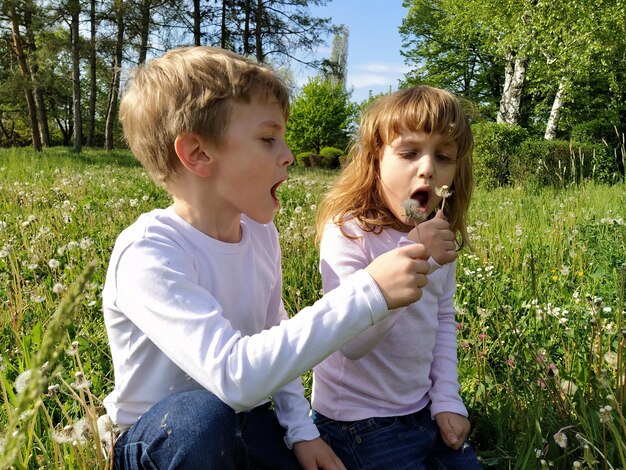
(436, 235)
(454, 428)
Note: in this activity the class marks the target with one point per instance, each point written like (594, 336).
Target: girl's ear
(193, 153)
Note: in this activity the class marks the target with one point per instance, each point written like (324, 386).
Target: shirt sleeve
(341, 257)
(292, 408)
(158, 290)
(444, 394)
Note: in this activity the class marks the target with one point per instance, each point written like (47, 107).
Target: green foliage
(306, 159)
(541, 163)
(494, 147)
(321, 116)
(330, 157)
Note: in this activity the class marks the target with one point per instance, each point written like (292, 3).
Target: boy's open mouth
(274, 189)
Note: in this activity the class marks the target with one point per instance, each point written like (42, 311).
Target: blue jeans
(196, 430)
(411, 442)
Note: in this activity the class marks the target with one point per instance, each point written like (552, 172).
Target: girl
(390, 397)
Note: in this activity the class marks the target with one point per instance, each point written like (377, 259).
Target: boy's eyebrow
(272, 124)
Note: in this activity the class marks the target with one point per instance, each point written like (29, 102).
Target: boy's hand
(437, 236)
(454, 428)
(316, 454)
(401, 274)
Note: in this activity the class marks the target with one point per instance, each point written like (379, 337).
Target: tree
(74, 8)
(321, 116)
(116, 69)
(450, 54)
(18, 45)
(336, 68)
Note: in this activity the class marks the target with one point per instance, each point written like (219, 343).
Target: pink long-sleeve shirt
(402, 363)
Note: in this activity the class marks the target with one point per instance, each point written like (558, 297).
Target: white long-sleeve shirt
(402, 363)
(184, 311)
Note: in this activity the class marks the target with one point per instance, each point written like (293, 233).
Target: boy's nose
(287, 158)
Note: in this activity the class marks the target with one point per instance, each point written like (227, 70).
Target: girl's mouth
(421, 196)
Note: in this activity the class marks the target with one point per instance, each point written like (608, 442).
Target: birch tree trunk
(555, 113)
(78, 119)
(28, 81)
(515, 74)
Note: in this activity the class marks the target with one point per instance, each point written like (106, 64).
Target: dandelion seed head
(54, 263)
(561, 439)
(568, 387)
(412, 210)
(444, 191)
(58, 288)
(22, 380)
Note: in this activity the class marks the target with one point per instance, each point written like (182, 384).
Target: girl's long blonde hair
(357, 192)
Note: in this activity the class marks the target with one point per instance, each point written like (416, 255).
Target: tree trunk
(144, 30)
(258, 32)
(555, 113)
(78, 119)
(246, 29)
(111, 115)
(40, 104)
(92, 75)
(223, 29)
(197, 35)
(28, 82)
(515, 74)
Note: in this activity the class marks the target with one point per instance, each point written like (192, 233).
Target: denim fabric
(411, 442)
(196, 430)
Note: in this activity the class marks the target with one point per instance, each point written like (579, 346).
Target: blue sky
(374, 60)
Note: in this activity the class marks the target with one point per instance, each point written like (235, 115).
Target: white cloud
(384, 68)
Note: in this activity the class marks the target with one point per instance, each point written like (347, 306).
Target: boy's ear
(193, 153)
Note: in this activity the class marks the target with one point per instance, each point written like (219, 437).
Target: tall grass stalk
(27, 401)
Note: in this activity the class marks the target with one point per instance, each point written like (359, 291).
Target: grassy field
(541, 328)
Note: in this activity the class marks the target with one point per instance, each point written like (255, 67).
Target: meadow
(540, 298)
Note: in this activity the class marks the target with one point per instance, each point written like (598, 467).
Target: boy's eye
(268, 140)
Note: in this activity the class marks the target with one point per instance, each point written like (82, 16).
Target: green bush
(494, 146)
(305, 158)
(560, 163)
(330, 157)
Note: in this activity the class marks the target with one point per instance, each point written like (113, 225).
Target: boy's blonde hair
(358, 194)
(189, 89)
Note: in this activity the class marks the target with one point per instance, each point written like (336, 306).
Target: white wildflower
(561, 439)
(54, 263)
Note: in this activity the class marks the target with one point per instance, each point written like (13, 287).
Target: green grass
(540, 300)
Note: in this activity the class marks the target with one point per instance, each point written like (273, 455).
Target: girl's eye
(445, 158)
(268, 140)
(408, 155)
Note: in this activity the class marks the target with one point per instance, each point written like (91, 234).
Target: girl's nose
(425, 166)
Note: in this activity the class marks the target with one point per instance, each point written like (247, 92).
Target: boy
(192, 301)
